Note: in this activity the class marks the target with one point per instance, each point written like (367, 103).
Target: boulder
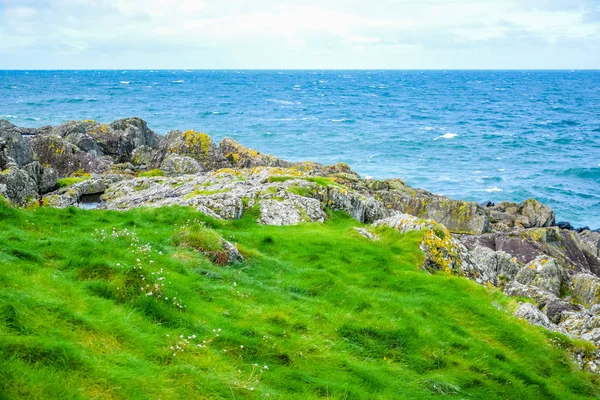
(456, 215)
(142, 155)
(585, 288)
(240, 156)
(584, 324)
(233, 254)
(493, 265)
(544, 273)
(46, 178)
(196, 145)
(18, 186)
(534, 316)
(290, 211)
(13, 147)
(528, 214)
(364, 209)
(175, 165)
(567, 247)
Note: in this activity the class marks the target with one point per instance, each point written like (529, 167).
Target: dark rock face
(13, 147)
(565, 225)
(45, 178)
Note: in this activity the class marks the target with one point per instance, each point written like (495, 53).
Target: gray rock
(240, 156)
(45, 178)
(544, 273)
(585, 288)
(494, 264)
(18, 186)
(364, 209)
(366, 234)
(534, 316)
(233, 254)
(175, 165)
(142, 155)
(13, 147)
(196, 145)
(528, 214)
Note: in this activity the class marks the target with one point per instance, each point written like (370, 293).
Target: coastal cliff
(552, 270)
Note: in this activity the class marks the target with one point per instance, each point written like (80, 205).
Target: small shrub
(199, 238)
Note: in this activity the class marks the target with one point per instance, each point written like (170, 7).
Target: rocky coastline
(519, 248)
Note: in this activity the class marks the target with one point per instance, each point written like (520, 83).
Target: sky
(300, 34)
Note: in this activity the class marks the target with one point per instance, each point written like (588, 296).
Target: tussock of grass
(329, 314)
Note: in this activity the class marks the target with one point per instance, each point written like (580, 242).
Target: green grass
(64, 182)
(319, 180)
(152, 172)
(332, 315)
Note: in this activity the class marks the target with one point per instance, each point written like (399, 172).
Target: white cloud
(315, 26)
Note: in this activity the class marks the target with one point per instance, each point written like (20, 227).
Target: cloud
(311, 28)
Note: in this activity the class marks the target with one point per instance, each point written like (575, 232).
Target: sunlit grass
(328, 312)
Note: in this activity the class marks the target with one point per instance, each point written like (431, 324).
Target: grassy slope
(330, 313)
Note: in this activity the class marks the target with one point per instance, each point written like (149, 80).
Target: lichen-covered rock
(13, 147)
(71, 195)
(528, 214)
(590, 240)
(18, 186)
(46, 178)
(585, 288)
(442, 251)
(175, 165)
(364, 209)
(456, 215)
(534, 316)
(494, 264)
(196, 145)
(233, 254)
(544, 273)
(290, 211)
(584, 324)
(525, 245)
(240, 156)
(142, 155)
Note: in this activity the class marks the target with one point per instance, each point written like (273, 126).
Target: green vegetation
(152, 172)
(319, 180)
(64, 182)
(109, 305)
(205, 193)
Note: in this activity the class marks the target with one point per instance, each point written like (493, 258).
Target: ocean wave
(124, 82)
(284, 102)
(343, 120)
(446, 136)
(584, 173)
(490, 190)
(179, 81)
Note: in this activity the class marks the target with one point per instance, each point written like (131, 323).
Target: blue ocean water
(474, 135)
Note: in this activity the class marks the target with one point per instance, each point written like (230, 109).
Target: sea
(471, 135)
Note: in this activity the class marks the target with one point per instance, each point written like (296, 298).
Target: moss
(197, 140)
(64, 182)
(205, 193)
(152, 172)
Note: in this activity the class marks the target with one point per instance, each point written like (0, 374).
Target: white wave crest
(446, 136)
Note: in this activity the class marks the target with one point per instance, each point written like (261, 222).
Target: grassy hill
(314, 311)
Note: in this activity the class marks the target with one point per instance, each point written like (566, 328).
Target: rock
(365, 233)
(571, 251)
(584, 324)
(13, 147)
(487, 204)
(175, 165)
(492, 264)
(582, 229)
(240, 156)
(539, 296)
(591, 241)
(456, 215)
(534, 316)
(556, 308)
(64, 157)
(362, 208)
(585, 288)
(142, 155)
(71, 195)
(442, 251)
(529, 214)
(18, 186)
(565, 225)
(290, 211)
(45, 178)
(544, 273)
(196, 145)
(233, 254)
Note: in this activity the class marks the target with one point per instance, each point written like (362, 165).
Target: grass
(328, 312)
(64, 182)
(319, 180)
(152, 172)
